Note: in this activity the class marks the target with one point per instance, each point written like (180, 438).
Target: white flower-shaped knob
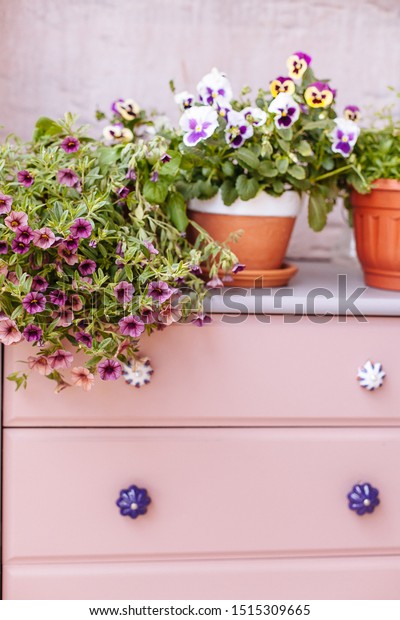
(137, 372)
(371, 375)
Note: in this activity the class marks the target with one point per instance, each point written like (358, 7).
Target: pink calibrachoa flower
(109, 370)
(66, 176)
(43, 238)
(60, 359)
(124, 292)
(65, 317)
(198, 123)
(201, 319)
(34, 302)
(5, 204)
(169, 314)
(72, 243)
(131, 326)
(84, 338)
(238, 129)
(70, 257)
(3, 247)
(24, 233)
(238, 267)
(9, 332)
(39, 284)
(40, 363)
(70, 144)
(19, 247)
(25, 178)
(215, 282)
(159, 291)
(76, 303)
(16, 219)
(82, 377)
(12, 276)
(81, 228)
(150, 247)
(32, 333)
(58, 298)
(86, 267)
(147, 315)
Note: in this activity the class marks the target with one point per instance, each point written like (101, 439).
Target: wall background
(76, 55)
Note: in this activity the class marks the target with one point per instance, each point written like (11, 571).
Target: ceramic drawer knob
(371, 375)
(363, 498)
(133, 502)
(137, 372)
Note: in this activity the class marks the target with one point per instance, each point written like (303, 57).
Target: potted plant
(92, 253)
(246, 166)
(376, 200)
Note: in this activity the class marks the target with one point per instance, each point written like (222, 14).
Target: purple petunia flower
(70, 144)
(286, 110)
(93, 244)
(3, 247)
(159, 291)
(123, 192)
(5, 204)
(198, 123)
(124, 292)
(238, 129)
(71, 243)
(150, 247)
(19, 247)
(39, 284)
(25, 178)
(81, 228)
(84, 338)
(154, 176)
(148, 316)
(34, 302)
(131, 174)
(70, 256)
(202, 319)
(32, 333)
(196, 270)
(43, 238)
(344, 136)
(60, 359)
(215, 282)
(66, 176)
(131, 326)
(164, 159)
(24, 233)
(16, 219)
(238, 267)
(109, 370)
(86, 267)
(58, 298)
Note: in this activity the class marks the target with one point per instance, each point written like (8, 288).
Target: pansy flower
(255, 116)
(5, 204)
(297, 64)
(222, 106)
(213, 85)
(43, 238)
(127, 108)
(118, 132)
(184, 100)
(319, 95)
(198, 123)
(16, 219)
(238, 129)
(344, 136)
(352, 113)
(286, 110)
(282, 85)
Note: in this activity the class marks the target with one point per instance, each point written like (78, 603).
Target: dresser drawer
(249, 374)
(216, 493)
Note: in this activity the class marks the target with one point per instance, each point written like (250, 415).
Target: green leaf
(107, 155)
(45, 127)
(328, 163)
(316, 125)
(316, 211)
(228, 169)
(176, 211)
(267, 169)
(282, 164)
(246, 187)
(286, 134)
(298, 172)
(155, 191)
(304, 148)
(266, 148)
(229, 192)
(247, 158)
(278, 187)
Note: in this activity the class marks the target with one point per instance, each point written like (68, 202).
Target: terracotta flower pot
(266, 221)
(377, 233)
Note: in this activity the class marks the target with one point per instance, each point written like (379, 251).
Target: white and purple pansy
(222, 106)
(238, 129)
(184, 99)
(213, 85)
(352, 113)
(198, 123)
(344, 136)
(297, 65)
(255, 116)
(286, 110)
(118, 132)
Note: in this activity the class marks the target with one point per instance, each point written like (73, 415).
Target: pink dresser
(248, 440)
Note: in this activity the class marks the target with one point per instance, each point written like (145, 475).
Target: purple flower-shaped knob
(363, 498)
(133, 502)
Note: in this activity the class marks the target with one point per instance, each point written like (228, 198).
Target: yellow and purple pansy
(127, 108)
(282, 85)
(352, 113)
(319, 95)
(297, 64)
(286, 110)
(118, 133)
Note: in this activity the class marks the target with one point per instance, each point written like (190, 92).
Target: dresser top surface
(335, 288)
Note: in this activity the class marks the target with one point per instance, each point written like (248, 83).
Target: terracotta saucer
(259, 278)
